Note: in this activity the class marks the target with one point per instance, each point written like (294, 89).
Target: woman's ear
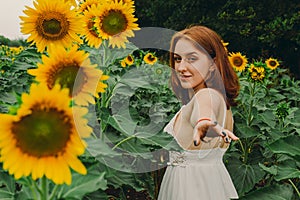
(212, 66)
(215, 59)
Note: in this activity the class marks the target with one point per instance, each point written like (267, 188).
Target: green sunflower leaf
(7, 180)
(272, 192)
(83, 184)
(6, 195)
(244, 176)
(287, 145)
(287, 169)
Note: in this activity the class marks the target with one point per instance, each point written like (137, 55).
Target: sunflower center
(237, 61)
(129, 59)
(272, 63)
(70, 76)
(151, 58)
(44, 132)
(52, 25)
(114, 22)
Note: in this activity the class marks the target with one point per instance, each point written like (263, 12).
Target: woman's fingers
(225, 133)
(230, 134)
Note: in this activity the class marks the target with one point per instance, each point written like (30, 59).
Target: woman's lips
(184, 77)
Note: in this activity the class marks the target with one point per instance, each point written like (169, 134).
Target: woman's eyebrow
(186, 54)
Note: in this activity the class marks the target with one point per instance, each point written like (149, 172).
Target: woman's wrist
(203, 119)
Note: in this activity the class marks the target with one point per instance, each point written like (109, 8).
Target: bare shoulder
(208, 94)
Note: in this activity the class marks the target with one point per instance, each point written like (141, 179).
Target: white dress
(197, 174)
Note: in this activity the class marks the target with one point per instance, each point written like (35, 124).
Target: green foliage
(128, 141)
(267, 122)
(14, 79)
(259, 28)
(12, 43)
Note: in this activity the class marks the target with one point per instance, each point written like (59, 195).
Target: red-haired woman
(206, 84)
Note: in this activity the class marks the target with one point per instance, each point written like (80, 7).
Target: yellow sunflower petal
(75, 163)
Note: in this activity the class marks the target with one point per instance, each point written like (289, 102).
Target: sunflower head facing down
(116, 22)
(272, 63)
(43, 139)
(71, 69)
(51, 22)
(238, 61)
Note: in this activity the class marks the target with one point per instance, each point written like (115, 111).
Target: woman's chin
(186, 85)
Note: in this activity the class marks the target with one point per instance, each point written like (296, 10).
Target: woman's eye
(191, 59)
(177, 59)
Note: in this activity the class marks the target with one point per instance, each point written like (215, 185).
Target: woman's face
(191, 64)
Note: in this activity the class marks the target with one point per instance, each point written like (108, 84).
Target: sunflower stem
(243, 150)
(110, 95)
(33, 188)
(105, 46)
(294, 186)
(44, 183)
(252, 92)
(53, 193)
(122, 141)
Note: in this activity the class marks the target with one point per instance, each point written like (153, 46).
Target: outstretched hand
(201, 128)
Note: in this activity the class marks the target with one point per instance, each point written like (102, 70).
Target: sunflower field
(82, 111)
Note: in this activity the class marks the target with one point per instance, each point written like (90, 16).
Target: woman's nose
(182, 65)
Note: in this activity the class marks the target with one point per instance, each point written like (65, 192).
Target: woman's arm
(201, 128)
(207, 106)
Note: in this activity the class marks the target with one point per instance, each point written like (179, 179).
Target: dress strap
(223, 120)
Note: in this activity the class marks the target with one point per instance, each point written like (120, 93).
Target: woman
(207, 85)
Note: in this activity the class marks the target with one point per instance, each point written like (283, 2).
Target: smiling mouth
(184, 77)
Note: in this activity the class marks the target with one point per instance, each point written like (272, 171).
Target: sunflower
(123, 63)
(238, 61)
(149, 58)
(90, 33)
(42, 139)
(85, 5)
(129, 60)
(272, 63)
(51, 22)
(257, 73)
(71, 69)
(116, 22)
